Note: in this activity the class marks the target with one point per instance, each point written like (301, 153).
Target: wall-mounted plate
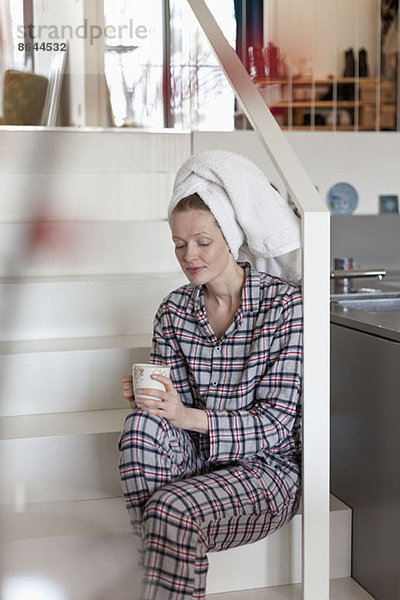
(342, 199)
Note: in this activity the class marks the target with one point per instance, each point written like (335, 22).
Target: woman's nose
(191, 252)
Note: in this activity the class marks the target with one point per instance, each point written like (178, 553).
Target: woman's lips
(195, 270)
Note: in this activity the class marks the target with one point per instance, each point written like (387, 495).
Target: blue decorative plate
(342, 199)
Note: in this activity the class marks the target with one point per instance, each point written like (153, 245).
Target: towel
(258, 224)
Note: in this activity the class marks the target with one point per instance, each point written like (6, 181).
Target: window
(201, 97)
(134, 62)
(17, 18)
(196, 95)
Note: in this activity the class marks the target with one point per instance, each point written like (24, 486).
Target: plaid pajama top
(248, 381)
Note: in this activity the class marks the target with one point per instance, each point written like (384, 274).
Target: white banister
(315, 235)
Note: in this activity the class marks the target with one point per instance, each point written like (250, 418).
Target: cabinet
(365, 452)
(344, 104)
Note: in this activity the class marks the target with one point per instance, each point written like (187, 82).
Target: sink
(369, 301)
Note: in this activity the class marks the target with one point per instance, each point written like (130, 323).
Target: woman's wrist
(196, 420)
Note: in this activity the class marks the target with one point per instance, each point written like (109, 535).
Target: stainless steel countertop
(385, 324)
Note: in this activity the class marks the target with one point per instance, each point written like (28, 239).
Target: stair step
(68, 375)
(91, 277)
(95, 306)
(107, 342)
(60, 457)
(63, 424)
(99, 565)
(86, 248)
(97, 532)
(86, 196)
(339, 589)
(59, 519)
(71, 150)
(28, 520)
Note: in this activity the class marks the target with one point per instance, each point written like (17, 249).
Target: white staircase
(75, 314)
(85, 548)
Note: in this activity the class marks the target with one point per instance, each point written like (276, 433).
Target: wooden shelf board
(364, 81)
(317, 104)
(319, 128)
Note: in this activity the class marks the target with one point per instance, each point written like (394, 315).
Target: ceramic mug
(142, 373)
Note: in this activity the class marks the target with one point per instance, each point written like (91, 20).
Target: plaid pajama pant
(180, 509)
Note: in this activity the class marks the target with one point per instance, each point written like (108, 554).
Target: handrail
(315, 236)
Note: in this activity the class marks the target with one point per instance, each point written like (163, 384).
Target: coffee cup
(142, 379)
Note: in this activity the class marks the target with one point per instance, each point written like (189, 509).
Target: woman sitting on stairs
(216, 463)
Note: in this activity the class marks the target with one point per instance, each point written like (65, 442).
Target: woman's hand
(127, 384)
(169, 406)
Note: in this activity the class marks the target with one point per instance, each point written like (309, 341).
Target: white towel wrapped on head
(258, 224)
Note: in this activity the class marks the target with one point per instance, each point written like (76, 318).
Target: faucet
(379, 273)
(343, 278)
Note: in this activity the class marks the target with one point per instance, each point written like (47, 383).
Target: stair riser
(87, 249)
(60, 468)
(95, 152)
(85, 196)
(277, 560)
(57, 382)
(70, 309)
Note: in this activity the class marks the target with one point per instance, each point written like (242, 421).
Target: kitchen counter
(384, 324)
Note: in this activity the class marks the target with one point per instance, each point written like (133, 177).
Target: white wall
(367, 160)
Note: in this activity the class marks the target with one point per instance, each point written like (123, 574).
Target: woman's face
(200, 247)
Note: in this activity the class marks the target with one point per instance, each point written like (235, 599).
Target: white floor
(340, 589)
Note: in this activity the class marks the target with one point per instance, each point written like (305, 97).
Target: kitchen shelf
(295, 113)
(321, 128)
(362, 81)
(317, 104)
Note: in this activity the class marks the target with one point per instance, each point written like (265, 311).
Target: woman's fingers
(127, 386)
(169, 386)
(153, 405)
(160, 394)
(127, 379)
(164, 403)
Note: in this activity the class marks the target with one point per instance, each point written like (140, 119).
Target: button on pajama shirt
(187, 493)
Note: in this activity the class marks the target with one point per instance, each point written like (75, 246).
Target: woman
(215, 464)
